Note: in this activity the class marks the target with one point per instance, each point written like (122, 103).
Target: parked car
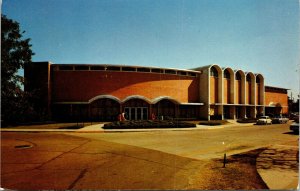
(264, 120)
(295, 126)
(279, 119)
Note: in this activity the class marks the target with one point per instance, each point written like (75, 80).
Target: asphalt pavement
(46, 160)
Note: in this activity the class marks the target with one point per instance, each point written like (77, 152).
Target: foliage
(15, 53)
(144, 124)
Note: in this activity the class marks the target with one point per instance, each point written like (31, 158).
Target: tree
(15, 52)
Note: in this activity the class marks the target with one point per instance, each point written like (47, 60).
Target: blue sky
(261, 36)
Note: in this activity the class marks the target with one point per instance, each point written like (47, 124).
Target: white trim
(104, 96)
(136, 97)
(192, 104)
(158, 99)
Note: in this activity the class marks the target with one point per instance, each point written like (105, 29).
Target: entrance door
(237, 112)
(136, 113)
(226, 111)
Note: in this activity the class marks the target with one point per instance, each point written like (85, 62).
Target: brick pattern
(84, 85)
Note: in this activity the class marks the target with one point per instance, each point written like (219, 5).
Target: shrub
(247, 120)
(148, 124)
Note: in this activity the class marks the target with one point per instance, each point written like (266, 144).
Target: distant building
(102, 92)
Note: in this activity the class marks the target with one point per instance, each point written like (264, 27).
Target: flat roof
(273, 87)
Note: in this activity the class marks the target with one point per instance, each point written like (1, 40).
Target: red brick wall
(84, 85)
(226, 85)
(277, 97)
(213, 90)
(248, 92)
(238, 89)
(257, 92)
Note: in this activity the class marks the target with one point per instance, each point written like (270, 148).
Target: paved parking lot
(130, 160)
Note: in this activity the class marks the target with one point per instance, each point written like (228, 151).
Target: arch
(228, 85)
(215, 68)
(250, 88)
(240, 73)
(158, 99)
(104, 108)
(105, 96)
(229, 73)
(251, 76)
(259, 78)
(260, 89)
(136, 97)
(239, 83)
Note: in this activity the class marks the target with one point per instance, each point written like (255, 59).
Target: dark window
(81, 67)
(226, 74)
(213, 72)
(170, 71)
(248, 78)
(65, 67)
(238, 76)
(192, 74)
(157, 70)
(182, 73)
(113, 68)
(128, 69)
(97, 68)
(143, 69)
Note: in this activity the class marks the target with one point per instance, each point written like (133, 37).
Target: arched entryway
(136, 109)
(166, 108)
(104, 109)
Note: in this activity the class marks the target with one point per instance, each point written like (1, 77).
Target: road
(129, 160)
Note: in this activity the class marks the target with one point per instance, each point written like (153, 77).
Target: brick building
(101, 92)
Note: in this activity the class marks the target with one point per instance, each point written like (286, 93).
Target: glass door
(136, 113)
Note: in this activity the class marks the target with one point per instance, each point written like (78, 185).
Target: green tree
(15, 53)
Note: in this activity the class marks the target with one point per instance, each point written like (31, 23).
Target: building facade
(100, 92)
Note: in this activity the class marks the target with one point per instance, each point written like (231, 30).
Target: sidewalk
(278, 166)
(99, 128)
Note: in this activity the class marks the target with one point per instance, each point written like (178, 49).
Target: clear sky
(261, 36)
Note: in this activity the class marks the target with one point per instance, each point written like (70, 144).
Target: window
(128, 69)
(143, 69)
(65, 67)
(181, 73)
(97, 68)
(112, 68)
(81, 67)
(226, 74)
(157, 71)
(170, 71)
(213, 72)
(192, 74)
(238, 76)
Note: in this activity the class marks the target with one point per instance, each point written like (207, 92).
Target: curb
(99, 129)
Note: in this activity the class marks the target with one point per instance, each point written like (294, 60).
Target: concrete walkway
(279, 167)
(99, 128)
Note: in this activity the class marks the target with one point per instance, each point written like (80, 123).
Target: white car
(264, 120)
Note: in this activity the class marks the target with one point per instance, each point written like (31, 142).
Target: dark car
(279, 119)
(295, 126)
